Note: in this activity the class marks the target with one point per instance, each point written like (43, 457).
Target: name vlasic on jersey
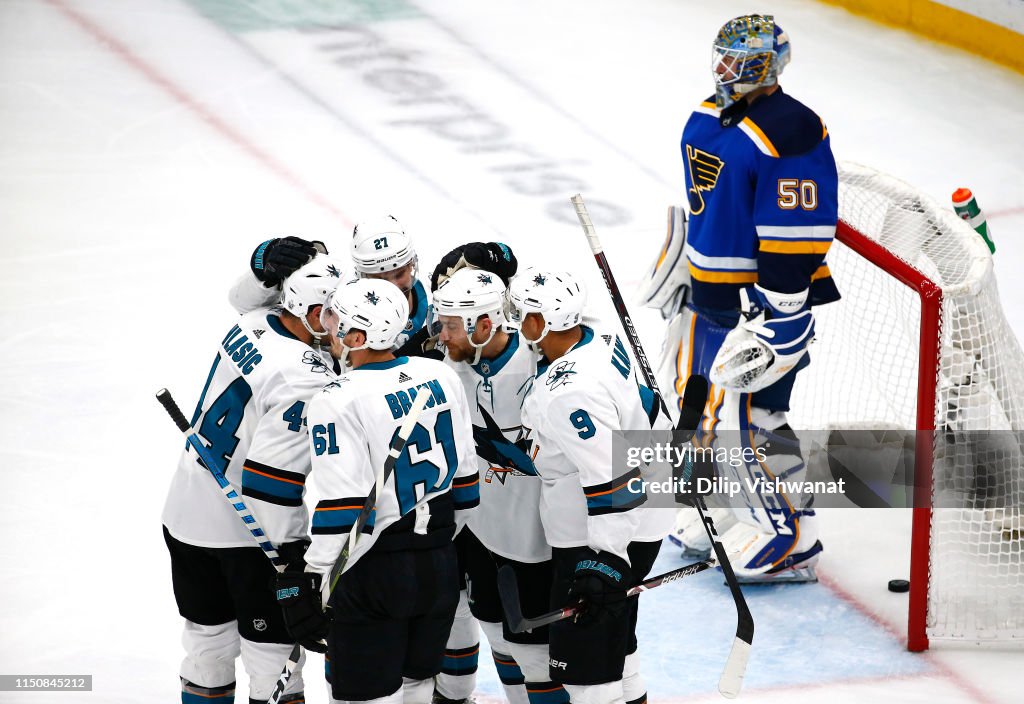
(251, 415)
(762, 188)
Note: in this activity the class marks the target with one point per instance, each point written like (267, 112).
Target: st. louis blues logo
(704, 171)
(560, 374)
(372, 298)
(540, 279)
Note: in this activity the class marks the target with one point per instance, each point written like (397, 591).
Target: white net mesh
(865, 374)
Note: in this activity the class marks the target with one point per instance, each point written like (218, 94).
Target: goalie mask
(749, 52)
(310, 285)
(376, 307)
(464, 298)
(555, 295)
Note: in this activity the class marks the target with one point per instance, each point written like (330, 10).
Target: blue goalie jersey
(763, 194)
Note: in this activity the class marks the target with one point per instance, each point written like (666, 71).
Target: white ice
(145, 150)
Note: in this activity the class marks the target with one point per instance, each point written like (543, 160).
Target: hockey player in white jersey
(270, 264)
(497, 370)
(602, 541)
(251, 415)
(382, 250)
(392, 609)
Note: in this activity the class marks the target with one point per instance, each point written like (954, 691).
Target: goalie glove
(768, 345)
(667, 286)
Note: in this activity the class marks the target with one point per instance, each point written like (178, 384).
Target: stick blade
(731, 681)
(508, 590)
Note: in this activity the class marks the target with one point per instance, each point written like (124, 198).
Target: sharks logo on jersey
(503, 454)
(704, 171)
(559, 375)
(315, 362)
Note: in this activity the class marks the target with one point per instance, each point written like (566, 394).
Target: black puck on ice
(899, 585)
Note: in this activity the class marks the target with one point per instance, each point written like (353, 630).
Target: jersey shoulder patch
(782, 126)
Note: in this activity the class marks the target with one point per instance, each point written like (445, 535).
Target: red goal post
(920, 342)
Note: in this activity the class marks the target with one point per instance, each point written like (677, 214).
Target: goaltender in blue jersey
(739, 282)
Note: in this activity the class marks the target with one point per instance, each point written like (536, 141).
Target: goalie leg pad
(689, 533)
(774, 526)
(674, 368)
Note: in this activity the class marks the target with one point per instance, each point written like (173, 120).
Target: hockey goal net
(919, 341)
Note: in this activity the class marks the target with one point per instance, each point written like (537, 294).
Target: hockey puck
(899, 585)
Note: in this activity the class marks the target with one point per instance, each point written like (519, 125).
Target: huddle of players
(313, 381)
(320, 371)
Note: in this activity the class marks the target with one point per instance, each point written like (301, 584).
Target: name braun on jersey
(401, 401)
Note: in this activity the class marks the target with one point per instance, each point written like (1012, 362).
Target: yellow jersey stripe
(754, 131)
(821, 272)
(795, 246)
(723, 277)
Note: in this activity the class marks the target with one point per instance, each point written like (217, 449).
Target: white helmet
(381, 245)
(556, 295)
(468, 294)
(377, 307)
(310, 285)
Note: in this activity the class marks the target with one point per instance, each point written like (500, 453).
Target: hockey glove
(494, 257)
(767, 346)
(293, 554)
(275, 260)
(298, 595)
(694, 475)
(599, 585)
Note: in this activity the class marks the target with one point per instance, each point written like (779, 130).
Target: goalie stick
(731, 680)
(508, 590)
(397, 446)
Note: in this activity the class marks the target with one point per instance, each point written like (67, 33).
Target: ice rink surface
(147, 146)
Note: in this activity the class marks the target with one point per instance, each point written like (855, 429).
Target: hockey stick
(397, 446)
(232, 496)
(693, 408)
(508, 589)
(255, 529)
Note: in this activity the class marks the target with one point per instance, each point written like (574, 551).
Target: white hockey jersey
(577, 406)
(352, 422)
(251, 415)
(508, 522)
(249, 293)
